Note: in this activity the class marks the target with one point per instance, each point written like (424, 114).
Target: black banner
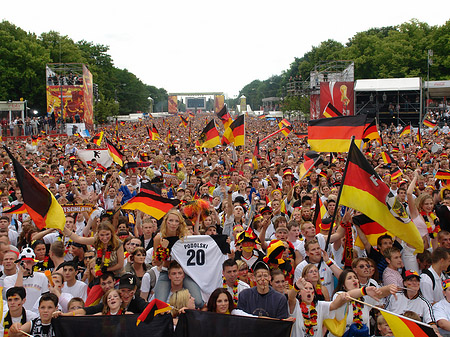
(208, 324)
(113, 326)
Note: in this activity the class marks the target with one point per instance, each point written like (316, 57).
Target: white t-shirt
(79, 289)
(30, 315)
(442, 310)
(35, 286)
(301, 246)
(323, 312)
(241, 286)
(419, 305)
(426, 286)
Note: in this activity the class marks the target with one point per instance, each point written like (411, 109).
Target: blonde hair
(182, 229)
(178, 300)
(113, 242)
(421, 200)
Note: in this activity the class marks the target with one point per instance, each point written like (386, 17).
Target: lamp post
(150, 110)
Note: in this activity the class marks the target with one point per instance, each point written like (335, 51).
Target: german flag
(152, 309)
(151, 204)
(114, 152)
(284, 123)
(373, 230)
(97, 139)
(262, 116)
(319, 213)
(306, 166)
(334, 134)
(435, 132)
(405, 131)
(94, 296)
(442, 175)
(256, 155)
(429, 123)
(16, 209)
(184, 121)
(153, 133)
(387, 159)
(406, 327)
(371, 132)
(365, 191)
(209, 136)
(122, 123)
(225, 117)
(235, 133)
(396, 174)
(167, 139)
(40, 203)
(331, 111)
(301, 135)
(34, 140)
(419, 137)
(133, 165)
(191, 114)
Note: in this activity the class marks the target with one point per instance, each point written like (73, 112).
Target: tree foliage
(386, 52)
(23, 57)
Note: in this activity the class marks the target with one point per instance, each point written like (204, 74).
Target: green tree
(104, 108)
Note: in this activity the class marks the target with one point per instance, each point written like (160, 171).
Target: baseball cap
(411, 273)
(127, 281)
(260, 265)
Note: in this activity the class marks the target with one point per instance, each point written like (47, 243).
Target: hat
(127, 281)
(260, 265)
(266, 209)
(287, 172)
(79, 245)
(325, 224)
(247, 236)
(27, 254)
(446, 284)
(409, 274)
(275, 252)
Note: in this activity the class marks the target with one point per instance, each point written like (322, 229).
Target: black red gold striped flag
(331, 111)
(97, 139)
(256, 155)
(371, 132)
(151, 204)
(442, 174)
(209, 136)
(319, 213)
(406, 130)
(363, 190)
(225, 117)
(40, 203)
(396, 174)
(301, 135)
(153, 133)
(16, 209)
(133, 165)
(114, 152)
(334, 134)
(371, 229)
(184, 121)
(430, 124)
(152, 309)
(235, 133)
(387, 159)
(419, 137)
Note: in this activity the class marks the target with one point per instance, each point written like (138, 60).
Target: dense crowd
(242, 240)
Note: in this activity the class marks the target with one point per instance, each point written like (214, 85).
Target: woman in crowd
(311, 274)
(112, 304)
(137, 266)
(180, 300)
(220, 301)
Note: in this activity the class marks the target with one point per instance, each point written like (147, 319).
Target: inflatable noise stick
(48, 273)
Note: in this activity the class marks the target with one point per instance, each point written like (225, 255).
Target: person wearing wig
(274, 259)
(248, 251)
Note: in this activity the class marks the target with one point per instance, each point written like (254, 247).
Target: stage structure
(329, 82)
(195, 101)
(70, 86)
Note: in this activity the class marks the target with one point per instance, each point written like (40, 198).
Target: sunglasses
(362, 266)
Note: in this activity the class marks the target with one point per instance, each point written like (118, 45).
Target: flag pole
(337, 202)
(390, 312)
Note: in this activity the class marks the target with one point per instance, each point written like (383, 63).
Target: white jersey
(201, 257)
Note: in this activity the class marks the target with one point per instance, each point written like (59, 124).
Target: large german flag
(406, 327)
(406, 130)
(371, 132)
(151, 204)
(97, 139)
(225, 117)
(235, 133)
(363, 190)
(209, 136)
(40, 203)
(334, 134)
(373, 230)
(184, 121)
(114, 152)
(331, 111)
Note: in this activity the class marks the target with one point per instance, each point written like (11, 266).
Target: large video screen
(196, 102)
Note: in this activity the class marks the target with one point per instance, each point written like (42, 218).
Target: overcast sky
(207, 45)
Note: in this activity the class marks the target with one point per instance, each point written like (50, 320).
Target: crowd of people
(242, 240)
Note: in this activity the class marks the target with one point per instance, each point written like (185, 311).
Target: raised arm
(409, 195)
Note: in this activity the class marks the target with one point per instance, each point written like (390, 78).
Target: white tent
(388, 84)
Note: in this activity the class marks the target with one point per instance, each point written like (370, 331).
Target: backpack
(430, 275)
